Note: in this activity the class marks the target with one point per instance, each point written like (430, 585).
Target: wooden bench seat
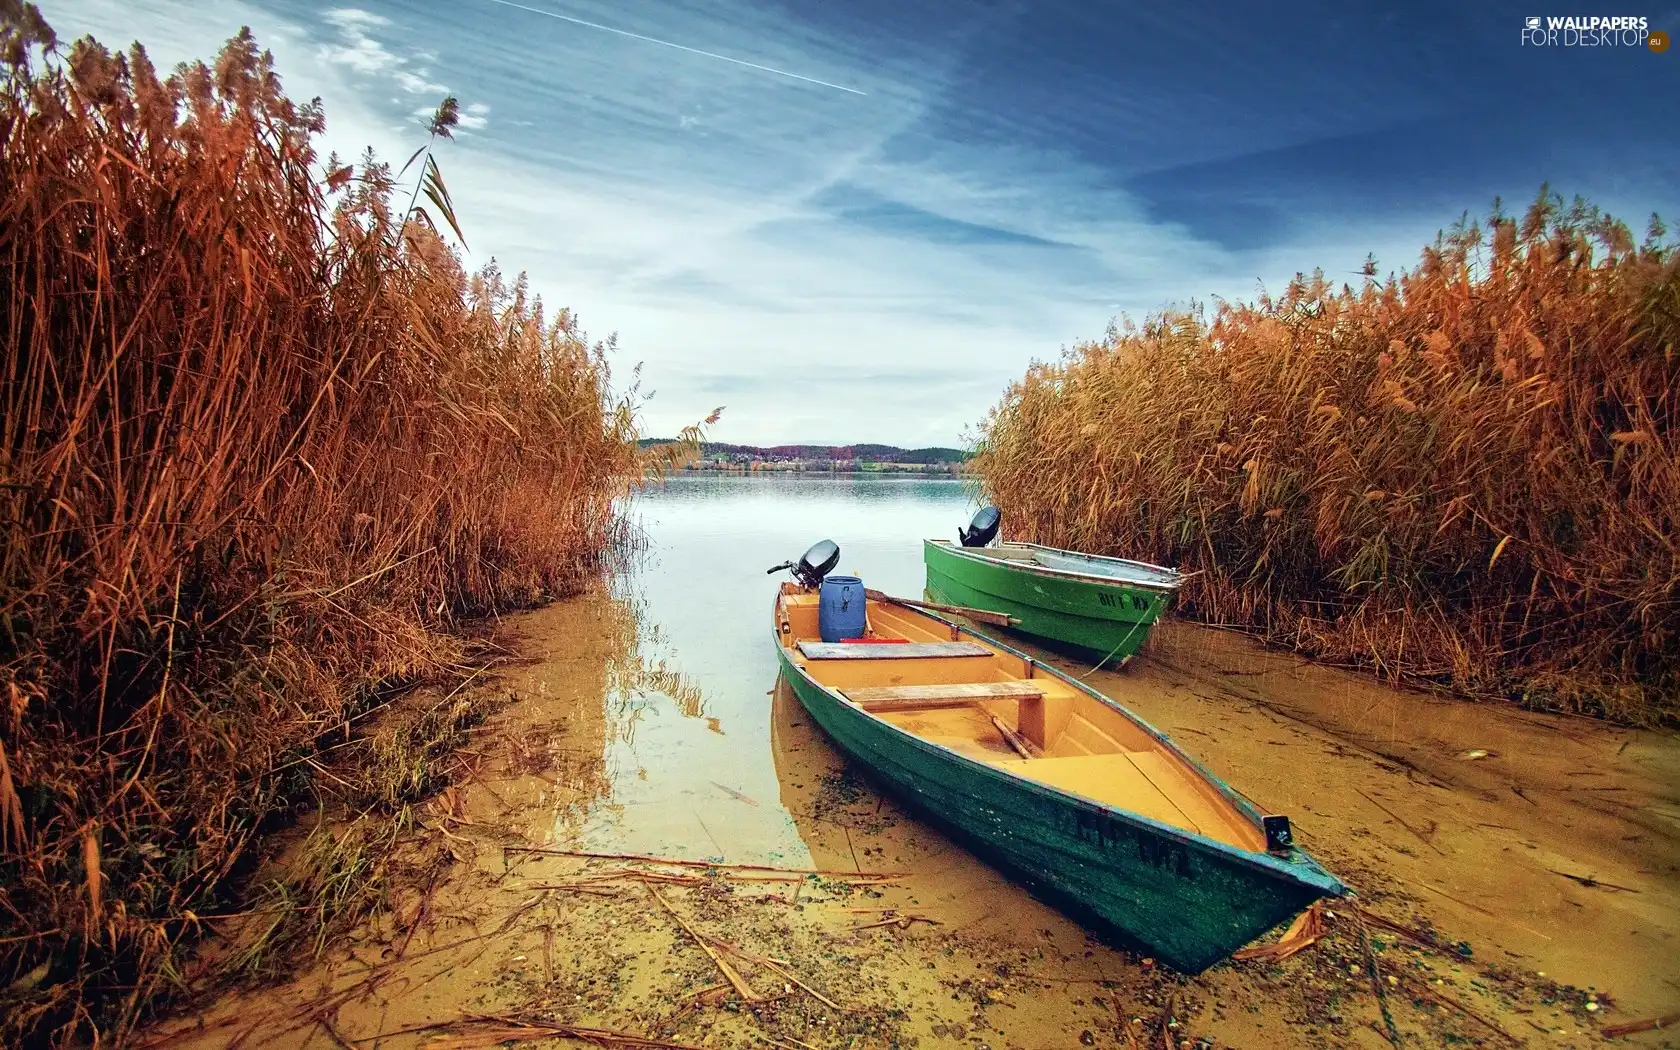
(917, 697)
(889, 650)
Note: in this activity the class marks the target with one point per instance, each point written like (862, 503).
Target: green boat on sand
(1102, 607)
(1079, 799)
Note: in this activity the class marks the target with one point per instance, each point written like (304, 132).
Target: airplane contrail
(680, 47)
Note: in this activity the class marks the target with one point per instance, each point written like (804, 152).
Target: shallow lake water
(1527, 862)
(679, 762)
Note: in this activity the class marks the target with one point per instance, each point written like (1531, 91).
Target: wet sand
(1475, 853)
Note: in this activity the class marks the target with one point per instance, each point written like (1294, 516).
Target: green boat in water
(1079, 799)
(1101, 607)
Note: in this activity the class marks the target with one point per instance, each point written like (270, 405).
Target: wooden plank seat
(889, 650)
(919, 697)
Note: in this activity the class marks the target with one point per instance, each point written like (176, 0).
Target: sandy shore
(1529, 860)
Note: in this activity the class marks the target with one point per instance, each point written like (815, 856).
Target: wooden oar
(996, 619)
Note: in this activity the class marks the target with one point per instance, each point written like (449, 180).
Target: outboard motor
(982, 529)
(814, 564)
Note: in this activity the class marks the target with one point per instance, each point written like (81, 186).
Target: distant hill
(816, 453)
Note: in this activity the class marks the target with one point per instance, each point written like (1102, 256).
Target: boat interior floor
(993, 708)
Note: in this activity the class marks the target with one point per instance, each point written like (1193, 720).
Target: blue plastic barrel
(840, 608)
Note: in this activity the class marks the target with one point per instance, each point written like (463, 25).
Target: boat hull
(1107, 621)
(1187, 901)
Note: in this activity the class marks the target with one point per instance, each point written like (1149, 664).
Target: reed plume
(1467, 474)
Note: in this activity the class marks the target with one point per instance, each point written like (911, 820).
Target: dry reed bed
(1468, 474)
(266, 444)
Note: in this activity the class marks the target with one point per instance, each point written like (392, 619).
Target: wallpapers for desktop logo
(1593, 31)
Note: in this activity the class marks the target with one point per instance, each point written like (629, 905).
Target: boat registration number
(1102, 830)
(1119, 601)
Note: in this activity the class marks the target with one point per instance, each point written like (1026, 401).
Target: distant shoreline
(869, 459)
(896, 471)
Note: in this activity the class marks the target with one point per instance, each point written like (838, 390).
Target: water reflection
(653, 722)
(579, 656)
(685, 753)
(754, 780)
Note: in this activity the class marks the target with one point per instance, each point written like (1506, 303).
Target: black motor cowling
(982, 529)
(817, 562)
(814, 564)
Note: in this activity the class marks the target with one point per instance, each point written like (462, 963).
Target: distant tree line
(865, 453)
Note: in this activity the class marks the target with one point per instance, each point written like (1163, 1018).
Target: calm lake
(676, 764)
(649, 720)
(704, 756)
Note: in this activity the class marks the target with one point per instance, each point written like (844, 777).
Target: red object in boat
(876, 641)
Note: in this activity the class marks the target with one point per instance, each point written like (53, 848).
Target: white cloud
(356, 46)
(716, 248)
(354, 17)
(415, 83)
(475, 115)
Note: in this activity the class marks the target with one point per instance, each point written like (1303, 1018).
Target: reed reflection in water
(688, 748)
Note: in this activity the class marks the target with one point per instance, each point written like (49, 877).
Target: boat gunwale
(1069, 574)
(1300, 866)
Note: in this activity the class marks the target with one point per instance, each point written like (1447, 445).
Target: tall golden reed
(1469, 474)
(264, 444)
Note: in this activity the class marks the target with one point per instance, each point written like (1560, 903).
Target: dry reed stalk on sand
(1651, 1024)
(1466, 474)
(1421, 938)
(1422, 987)
(265, 445)
(1374, 970)
(1163, 1037)
(779, 967)
(543, 851)
(900, 922)
(715, 946)
(482, 1031)
(734, 977)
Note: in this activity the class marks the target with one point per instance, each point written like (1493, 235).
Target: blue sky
(857, 221)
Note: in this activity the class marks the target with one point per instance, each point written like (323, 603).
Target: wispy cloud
(680, 47)
(355, 42)
(355, 45)
(415, 83)
(476, 115)
(855, 267)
